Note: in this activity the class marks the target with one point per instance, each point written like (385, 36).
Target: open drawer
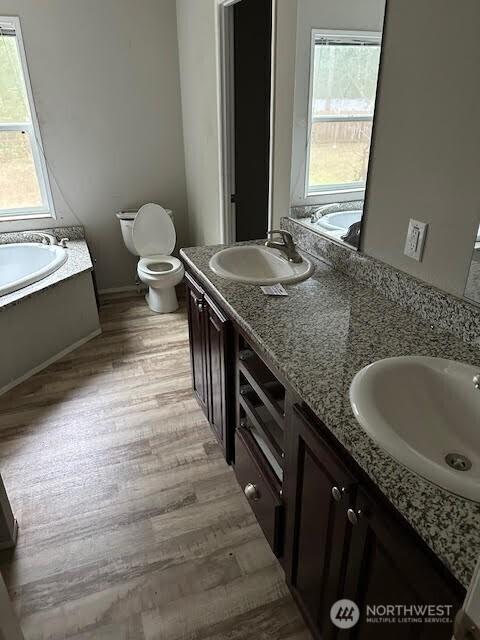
(261, 488)
(265, 384)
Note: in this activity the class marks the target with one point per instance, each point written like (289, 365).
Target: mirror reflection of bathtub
(340, 220)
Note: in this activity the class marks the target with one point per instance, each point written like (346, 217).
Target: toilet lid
(153, 231)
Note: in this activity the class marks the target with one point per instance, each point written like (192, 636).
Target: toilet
(150, 234)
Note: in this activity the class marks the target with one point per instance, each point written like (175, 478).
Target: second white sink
(256, 264)
(425, 412)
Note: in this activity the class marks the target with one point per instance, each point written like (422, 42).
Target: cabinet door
(318, 490)
(388, 564)
(196, 328)
(216, 343)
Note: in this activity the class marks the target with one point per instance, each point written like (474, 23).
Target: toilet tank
(127, 219)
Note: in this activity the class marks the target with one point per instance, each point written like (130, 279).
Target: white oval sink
(256, 264)
(423, 411)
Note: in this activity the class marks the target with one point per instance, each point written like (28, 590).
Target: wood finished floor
(132, 526)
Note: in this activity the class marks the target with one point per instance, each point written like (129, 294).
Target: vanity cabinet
(343, 540)
(196, 329)
(318, 488)
(335, 533)
(209, 331)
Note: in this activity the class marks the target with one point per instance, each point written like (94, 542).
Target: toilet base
(162, 300)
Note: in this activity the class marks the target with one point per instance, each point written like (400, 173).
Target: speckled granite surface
(455, 315)
(326, 330)
(76, 232)
(78, 261)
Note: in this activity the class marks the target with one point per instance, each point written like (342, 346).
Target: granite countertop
(78, 261)
(319, 337)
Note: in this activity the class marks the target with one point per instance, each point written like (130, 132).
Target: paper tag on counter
(274, 290)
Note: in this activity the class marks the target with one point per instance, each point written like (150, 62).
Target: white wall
(425, 160)
(198, 45)
(105, 81)
(358, 15)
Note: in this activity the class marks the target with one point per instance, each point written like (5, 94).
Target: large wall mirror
(472, 288)
(338, 46)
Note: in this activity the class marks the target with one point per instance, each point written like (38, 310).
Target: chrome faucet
(314, 217)
(287, 246)
(476, 381)
(47, 238)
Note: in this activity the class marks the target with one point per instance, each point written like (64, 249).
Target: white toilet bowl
(161, 274)
(150, 234)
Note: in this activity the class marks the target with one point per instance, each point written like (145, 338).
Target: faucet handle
(44, 238)
(285, 235)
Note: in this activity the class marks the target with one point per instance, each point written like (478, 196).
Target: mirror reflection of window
(343, 87)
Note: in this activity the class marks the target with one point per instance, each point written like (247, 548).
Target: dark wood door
(196, 327)
(318, 490)
(217, 325)
(389, 565)
(252, 78)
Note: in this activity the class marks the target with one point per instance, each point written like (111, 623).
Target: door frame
(226, 117)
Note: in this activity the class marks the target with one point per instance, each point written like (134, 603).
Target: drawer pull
(251, 492)
(337, 493)
(353, 516)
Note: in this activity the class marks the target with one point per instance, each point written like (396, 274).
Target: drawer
(264, 382)
(261, 488)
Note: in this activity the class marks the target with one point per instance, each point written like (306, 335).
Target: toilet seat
(147, 265)
(153, 231)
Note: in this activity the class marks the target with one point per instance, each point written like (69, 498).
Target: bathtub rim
(61, 258)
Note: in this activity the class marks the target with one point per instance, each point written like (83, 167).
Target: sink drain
(458, 462)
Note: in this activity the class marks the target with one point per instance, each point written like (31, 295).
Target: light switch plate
(415, 242)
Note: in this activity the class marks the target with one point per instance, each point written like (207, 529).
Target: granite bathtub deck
(78, 261)
(327, 329)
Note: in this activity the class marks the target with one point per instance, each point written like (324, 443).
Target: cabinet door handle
(200, 305)
(337, 494)
(354, 516)
(251, 492)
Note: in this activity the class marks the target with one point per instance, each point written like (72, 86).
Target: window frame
(335, 192)
(32, 129)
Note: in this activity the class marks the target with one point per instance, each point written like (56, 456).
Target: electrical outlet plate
(415, 242)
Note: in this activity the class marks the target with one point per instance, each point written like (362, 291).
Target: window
(24, 186)
(344, 70)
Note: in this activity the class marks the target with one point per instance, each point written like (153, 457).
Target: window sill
(330, 197)
(25, 216)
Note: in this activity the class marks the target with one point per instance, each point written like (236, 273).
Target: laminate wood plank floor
(132, 525)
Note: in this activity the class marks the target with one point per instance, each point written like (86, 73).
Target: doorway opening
(246, 66)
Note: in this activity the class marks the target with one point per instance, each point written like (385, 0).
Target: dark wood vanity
(334, 532)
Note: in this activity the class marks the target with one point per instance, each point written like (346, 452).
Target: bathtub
(23, 263)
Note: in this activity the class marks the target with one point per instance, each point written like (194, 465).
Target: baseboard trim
(50, 361)
(134, 287)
